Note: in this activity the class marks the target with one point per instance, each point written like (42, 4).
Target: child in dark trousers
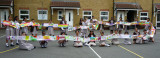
(43, 43)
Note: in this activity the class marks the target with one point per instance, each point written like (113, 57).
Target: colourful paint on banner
(6, 23)
(63, 25)
(152, 31)
(35, 24)
(33, 38)
(46, 37)
(27, 38)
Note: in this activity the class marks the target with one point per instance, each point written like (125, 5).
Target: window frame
(104, 15)
(87, 15)
(24, 14)
(143, 16)
(42, 14)
(59, 15)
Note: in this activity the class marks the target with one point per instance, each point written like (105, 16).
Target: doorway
(69, 17)
(131, 15)
(4, 13)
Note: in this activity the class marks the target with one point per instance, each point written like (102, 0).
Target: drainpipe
(152, 11)
(113, 8)
(13, 8)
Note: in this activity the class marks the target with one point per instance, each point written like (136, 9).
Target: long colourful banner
(72, 38)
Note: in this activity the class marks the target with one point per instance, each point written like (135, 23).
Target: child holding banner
(33, 28)
(115, 40)
(102, 39)
(151, 39)
(77, 42)
(149, 24)
(16, 30)
(91, 42)
(43, 43)
(126, 41)
(24, 29)
(136, 33)
(112, 26)
(145, 36)
(63, 22)
(62, 39)
(50, 29)
(120, 26)
(24, 45)
(9, 32)
(83, 30)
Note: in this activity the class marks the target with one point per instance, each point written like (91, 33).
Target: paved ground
(150, 50)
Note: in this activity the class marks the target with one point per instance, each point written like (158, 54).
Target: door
(69, 17)
(120, 14)
(158, 20)
(4, 13)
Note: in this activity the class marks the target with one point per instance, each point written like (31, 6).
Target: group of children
(23, 31)
(10, 31)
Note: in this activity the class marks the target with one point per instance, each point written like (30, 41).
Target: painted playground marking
(94, 52)
(9, 50)
(128, 50)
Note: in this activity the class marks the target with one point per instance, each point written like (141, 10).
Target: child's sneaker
(107, 45)
(17, 43)
(11, 45)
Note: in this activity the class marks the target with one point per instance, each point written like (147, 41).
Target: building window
(143, 16)
(42, 14)
(87, 14)
(23, 14)
(104, 15)
(60, 14)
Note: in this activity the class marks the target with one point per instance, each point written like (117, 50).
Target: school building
(72, 10)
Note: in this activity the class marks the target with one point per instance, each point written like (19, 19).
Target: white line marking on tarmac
(95, 52)
(2, 36)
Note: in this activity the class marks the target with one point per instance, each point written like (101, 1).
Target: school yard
(149, 50)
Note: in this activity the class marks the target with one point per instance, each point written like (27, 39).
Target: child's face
(147, 19)
(63, 33)
(23, 34)
(43, 33)
(91, 33)
(77, 32)
(136, 30)
(145, 32)
(102, 34)
(115, 32)
(10, 18)
(32, 20)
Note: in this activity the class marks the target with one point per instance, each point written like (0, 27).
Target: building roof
(65, 4)
(5, 2)
(127, 6)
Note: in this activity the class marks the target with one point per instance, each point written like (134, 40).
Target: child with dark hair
(77, 42)
(24, 45)
(9, 32)
(115, 40)
(62, 39)
(33, 28)
(43, 43)
(126, 41)
(136, 33)
(144, 38)
(16, 30)
(102, 39)
(50, 29)
(151, 39)
(92, 35)
(24, 29)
